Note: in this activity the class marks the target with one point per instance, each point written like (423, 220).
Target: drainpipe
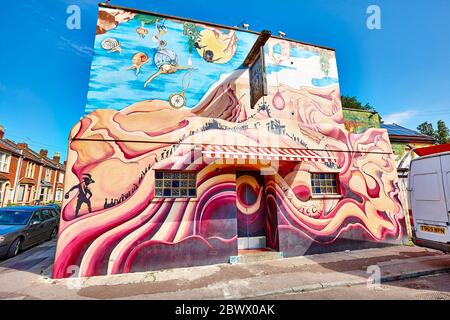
(16, 178)
(54, 185)
(38, 193)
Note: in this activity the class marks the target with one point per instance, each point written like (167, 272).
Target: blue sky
(402, 69)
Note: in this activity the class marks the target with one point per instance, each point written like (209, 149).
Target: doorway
(251, 210)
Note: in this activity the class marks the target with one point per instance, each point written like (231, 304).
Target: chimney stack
(22, 145)
(56, 157)
(43, 152)
(2, 131)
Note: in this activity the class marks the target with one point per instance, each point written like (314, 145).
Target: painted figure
(167, 62)
(216, 47)
(84, 193)
(161, 27)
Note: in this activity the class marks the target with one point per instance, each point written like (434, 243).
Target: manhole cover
(433, 296)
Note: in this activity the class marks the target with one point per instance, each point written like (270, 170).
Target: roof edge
(110, 6)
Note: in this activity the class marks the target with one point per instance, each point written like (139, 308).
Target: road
(434, 287)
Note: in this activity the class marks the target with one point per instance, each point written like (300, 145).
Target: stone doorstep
(256, 257)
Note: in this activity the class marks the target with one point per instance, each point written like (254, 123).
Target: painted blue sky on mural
(112, 86)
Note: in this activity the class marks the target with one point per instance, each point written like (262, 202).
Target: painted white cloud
(300, 72)
(400, 117)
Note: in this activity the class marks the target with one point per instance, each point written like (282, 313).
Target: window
(46, 215)
(53, 213)
(9, 217)
(21, 193)
(58, 195)
(30, 170)
(47, 174)
(324, 184)
(42, 194)
(37, 217)
(174, 184)
(5, 160)
(61, 177)
(1, 193)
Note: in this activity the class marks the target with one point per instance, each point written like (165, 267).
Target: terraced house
(28, 177)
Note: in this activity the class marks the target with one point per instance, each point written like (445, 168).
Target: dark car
(23, 227)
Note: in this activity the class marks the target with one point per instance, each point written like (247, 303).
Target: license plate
(432, 229)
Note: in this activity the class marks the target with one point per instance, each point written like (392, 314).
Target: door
(34, 231)
(445, 164)
(251, 211)
(428, 199)
(48, 223)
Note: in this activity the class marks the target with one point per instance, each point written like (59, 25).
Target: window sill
(326, 196)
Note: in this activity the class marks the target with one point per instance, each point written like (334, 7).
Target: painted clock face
(177, 100)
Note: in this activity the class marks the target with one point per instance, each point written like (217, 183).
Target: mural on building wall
(199, 95)
(357, 121)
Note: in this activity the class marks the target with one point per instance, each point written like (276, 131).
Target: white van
(429, 200)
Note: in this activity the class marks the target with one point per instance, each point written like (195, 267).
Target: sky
(401, 69)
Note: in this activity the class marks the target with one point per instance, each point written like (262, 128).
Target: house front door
(251, 213)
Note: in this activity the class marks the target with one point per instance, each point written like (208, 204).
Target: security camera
(281, 34)
(246, 26)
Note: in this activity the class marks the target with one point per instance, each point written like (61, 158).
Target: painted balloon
(138, 60)
(278, 101)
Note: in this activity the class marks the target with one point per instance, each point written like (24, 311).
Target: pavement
(432, 287)
(27, 276)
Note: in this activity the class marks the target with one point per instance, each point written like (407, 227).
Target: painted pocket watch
(177, 100)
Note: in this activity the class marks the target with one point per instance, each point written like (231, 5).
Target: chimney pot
(2, 131)
(43, 152)
(22, 145)
(56, 157)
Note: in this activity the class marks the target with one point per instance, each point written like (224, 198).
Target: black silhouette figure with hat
(84, 194)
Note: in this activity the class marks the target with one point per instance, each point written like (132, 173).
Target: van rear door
(445, 165)
(428, 199)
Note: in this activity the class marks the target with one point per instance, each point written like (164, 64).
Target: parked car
(429, 197)
(23, 227)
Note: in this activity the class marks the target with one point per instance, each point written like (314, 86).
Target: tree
(442, 132)
(353, 103)
(426, 128)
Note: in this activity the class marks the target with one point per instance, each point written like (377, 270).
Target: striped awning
(263, 153)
